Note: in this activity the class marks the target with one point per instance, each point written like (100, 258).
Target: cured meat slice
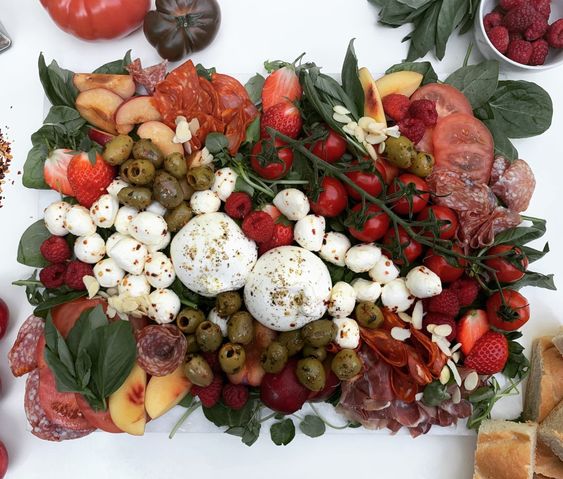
(460, 192)
(478, 229)
(515, 186)
(148, 77)
(500, 165)
(22, 357)
(161, 349)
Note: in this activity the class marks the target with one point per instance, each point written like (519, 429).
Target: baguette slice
(551, 431)
(505, 450)
(558, 341)
(548, 464)
(545, 383)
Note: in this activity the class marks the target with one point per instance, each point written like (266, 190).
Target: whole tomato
(510, 264)
(374, 227)
(508, 310)
(418, 200)
(331, 148)
(444, 214)
(97, 19)
(447, 272)
(271, 162)
(4, 318)
(370, 182)
(332, 199)
(409, 248)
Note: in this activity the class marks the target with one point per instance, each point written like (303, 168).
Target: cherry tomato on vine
(331, 149)
(447, 272)
(370, 182)
(417, 201)
(508, 310)
(510, 265)
(441, 213)
(374, 227)
(409, 248)
(332, 199)
(271, 161)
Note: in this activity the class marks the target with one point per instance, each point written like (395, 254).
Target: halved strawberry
(283, 117)
(489, 355)
(281, 85)
(89, 180)
(470, 328)
(271, 210)
(55, 171)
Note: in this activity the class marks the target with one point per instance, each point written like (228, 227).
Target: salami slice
(22, 357)
(161, 349)
(479, 230)
(500, 165)
(515, 186)
(459, 192)
(148, 77)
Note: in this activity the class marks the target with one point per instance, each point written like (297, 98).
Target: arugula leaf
(521, 235)
(312, 426)
(477, 82)
(28, 247)
(57, 83)
(116, 67)
(350, 79)
(254, 88)
(283, 432)
(424, 68)
(537, 280)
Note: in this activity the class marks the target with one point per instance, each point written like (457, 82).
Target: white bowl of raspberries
(522, 34)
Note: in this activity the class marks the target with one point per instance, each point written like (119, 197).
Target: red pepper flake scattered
(5, 160)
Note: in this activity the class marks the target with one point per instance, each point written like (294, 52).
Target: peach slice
(164, 392)
(122, 85)
(127, 404)
(99, 136)
(404, 83)
(372, 102)
(161, 135)
(134, 111)
(98, 107)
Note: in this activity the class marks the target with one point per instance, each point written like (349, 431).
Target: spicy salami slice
(148, 77)
(22, 357)
(515, 186)
(161, 349)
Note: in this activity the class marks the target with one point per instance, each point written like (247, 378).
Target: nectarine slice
(134, 111)
(161, 135)
(403, 83)
(98, 107)
(122, 85)
(372, 100)
(164, 392)
(127, 404)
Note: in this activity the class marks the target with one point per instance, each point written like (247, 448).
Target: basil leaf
(253, 131)
(503, 145)
(395, 14)
(477, 82)
(116, 67)
(350, 79)
(254, 88)
(62, 114)
(51, 334)
(312, 426)
(83, 368)
(216, 142)
(334, 94)
(283, 432)
(414, 3)
(423, 37)
(65, 380)
(435, 394)
(33, 168)
(57, 83)
(65, 297)
(424, 68)
(28, 247)
(537, 280)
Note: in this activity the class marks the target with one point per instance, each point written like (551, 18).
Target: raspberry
(235, 396)
(238, 205)
(536, 30)
(499, 38)
(396, 106)
(466, 290)
(510, 4)
(213, 361)
(514, 36)
(555, 34)
(492, 20)
(439, 318)
(53, 276)
(520, 18)
(283, 236)
(519, 51)
(424, 110)
(413, 129)
(540, 49)
(543, 7)
(55, 249)
(446, 303)
(210, 395)
(75, 271)
(258, 226)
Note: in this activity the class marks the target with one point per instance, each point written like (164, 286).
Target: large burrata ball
(212, 255)
(288, 288)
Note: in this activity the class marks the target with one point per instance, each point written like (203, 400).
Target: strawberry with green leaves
(55, 171)
(281, 85)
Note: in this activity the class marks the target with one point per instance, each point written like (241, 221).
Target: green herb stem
(183, 419)
(329, 424)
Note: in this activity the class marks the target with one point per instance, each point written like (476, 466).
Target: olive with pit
(193, 347)
(274, 358)
(198, 371)
(178, 217)
(240, 328)
(189, 319)
(232, 358)
(201, 178)
(145, 149)
(187, 190)
(319, 333)
(140, 172)
(175, 164)
(400, 151)
(422, 164)
(311, 373)
(118, 150)
(135, 196)
(292, 340)
(346, 364)
(369, 315)
(228, 303)
(166, 190)
(208, 336)
(312, 351)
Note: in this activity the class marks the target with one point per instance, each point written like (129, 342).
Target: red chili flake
(5, 160)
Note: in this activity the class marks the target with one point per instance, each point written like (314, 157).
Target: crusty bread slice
(551, 430)
(505, 450)
(548, 464)
(545, 382)
(558, 341)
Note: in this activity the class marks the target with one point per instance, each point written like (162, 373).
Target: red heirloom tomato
(441, 213)
(448, 99)
(66, 314)
(332, 199)
(508, 310)
(370, 182)
(419, 200)
(97, 19)
(447, 272)
(505, 266)
(264, 162)
(374, 227)
(331, 148)
(410, 248)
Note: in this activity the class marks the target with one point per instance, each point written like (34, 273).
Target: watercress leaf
(350, 79)
(435, 394)
(116, 67)
(241, 185)
(537, 280)
(216, 142)
(477, 82)
(28, 248)
(254, 88)
(503, 145)
(63, 297)
(283, 432)
(424, 68)
(312, 426)
(483, 393)
(423, 37)
(251, 433)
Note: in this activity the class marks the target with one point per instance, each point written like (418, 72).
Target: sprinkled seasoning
(5, 160)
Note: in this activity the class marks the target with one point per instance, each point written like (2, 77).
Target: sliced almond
(365, 121)
(456, 395)
(374, 139)
(445, 375)
(400, 334)
(456, 356)
(418, 396)
(443, 330)
(179, 119)
(375, 127)
(371, 151)
(359, 134)
(417, 315)
(381, 148)
(442, 344)
(340, 110)
(341, 118)
(455, 347)
(455, 372)
(405, 317)
(92, 286)
(430, 327)
(471, 381)
(392, 131)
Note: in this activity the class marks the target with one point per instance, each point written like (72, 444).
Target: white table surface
(252, 31)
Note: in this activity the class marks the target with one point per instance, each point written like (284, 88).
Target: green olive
(189, 319)
(399, 151)
(369, 315)
(187, 190)
(232, 358)
(311, 373)
(175, 164)
(135, 196)
(178, 217)
(198, 371)
(166, 190)
(228, 303)
(193, 347)
(140, 172)
(118, 150)
(124, 169)
(312, 351)
(422, 164)
(145, 149)
(346, 364)
(274, 358)
(200, 178)
(319, 333)
(208, 336)
(292, 340)
(240, 328)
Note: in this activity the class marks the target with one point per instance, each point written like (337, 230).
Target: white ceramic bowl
(554, 58)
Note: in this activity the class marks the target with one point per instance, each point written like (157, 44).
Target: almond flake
(443, 344)
(400, 334)
(375, 139)
(418, 396)
(405, 317)
(365, 121)
(179, 119)
(341, 118)
(417, 315)
(445, 375)
(194, 125)
(456, 396)
(381, 148)
(443, 330)
(376, 128)
(456, 356)
(92, 285)
(430, 328)
(456, 347)
(183, 133)
(455, 372)
(392, 131)
(206, 157)
(340, 110)
(371, 151)
(471, 381)
(359, 134)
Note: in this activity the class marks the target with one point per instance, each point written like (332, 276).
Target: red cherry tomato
(388, 171)
(374, 227)
(443, 214)
(447, 272)
(410, 249)
(331, 148)
(510, 265)
(508, 310)
(332, 199)
(4, 318)
(448, 99)
(418, 200)
(370, 182)
(269, 163)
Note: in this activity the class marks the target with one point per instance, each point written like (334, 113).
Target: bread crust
(548, 464)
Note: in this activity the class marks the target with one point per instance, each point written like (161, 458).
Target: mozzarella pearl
(292, 203)
(134, 285)
(153, 248)
(205, 201)
(90, 249)
(164, 306)
(309, 232)
(220, 321)
(224, 183)
(116, 186)
(123, 219)
(423, 282)
(384, 271)
(363, 257)
(159, 270)
(104, 210)
(156, 208)
(342, 300)
(108, 273)
(347, 333)
(112, 241)
(130, 255)
(78, 221)
(55, 215)
(366, 290)
(396, 297)
(148, 228)
(334, 248)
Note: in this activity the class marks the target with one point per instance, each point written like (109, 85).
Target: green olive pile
(402, 153)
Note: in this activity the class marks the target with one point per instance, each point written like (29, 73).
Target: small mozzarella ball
(363, 257)
(153, 248)
(148, 228)
(205, 201)
(116, 186)
(159, 270)
(104, 210)
(78, 221)
(112, 241)
(156, 208)
(366, 290)
(129, 255)
(123, 219)
(220, 321)
(164, 306)
(396, 297)
(309, 232)
(384, 271)
(292, 203)
(108, 273)
(90, 249)
(55, 215)
(224, 183)
(347, 333)
(342, 300)
(134, 285)
(423, 282)
(334, 248)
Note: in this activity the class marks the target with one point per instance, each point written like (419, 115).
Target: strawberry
(271, 210)
(55, 171)
(489, 355)
(281, 85)
(470, 328)
(283, 117)
(89, 181)
(282, 236)
(446, 303)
